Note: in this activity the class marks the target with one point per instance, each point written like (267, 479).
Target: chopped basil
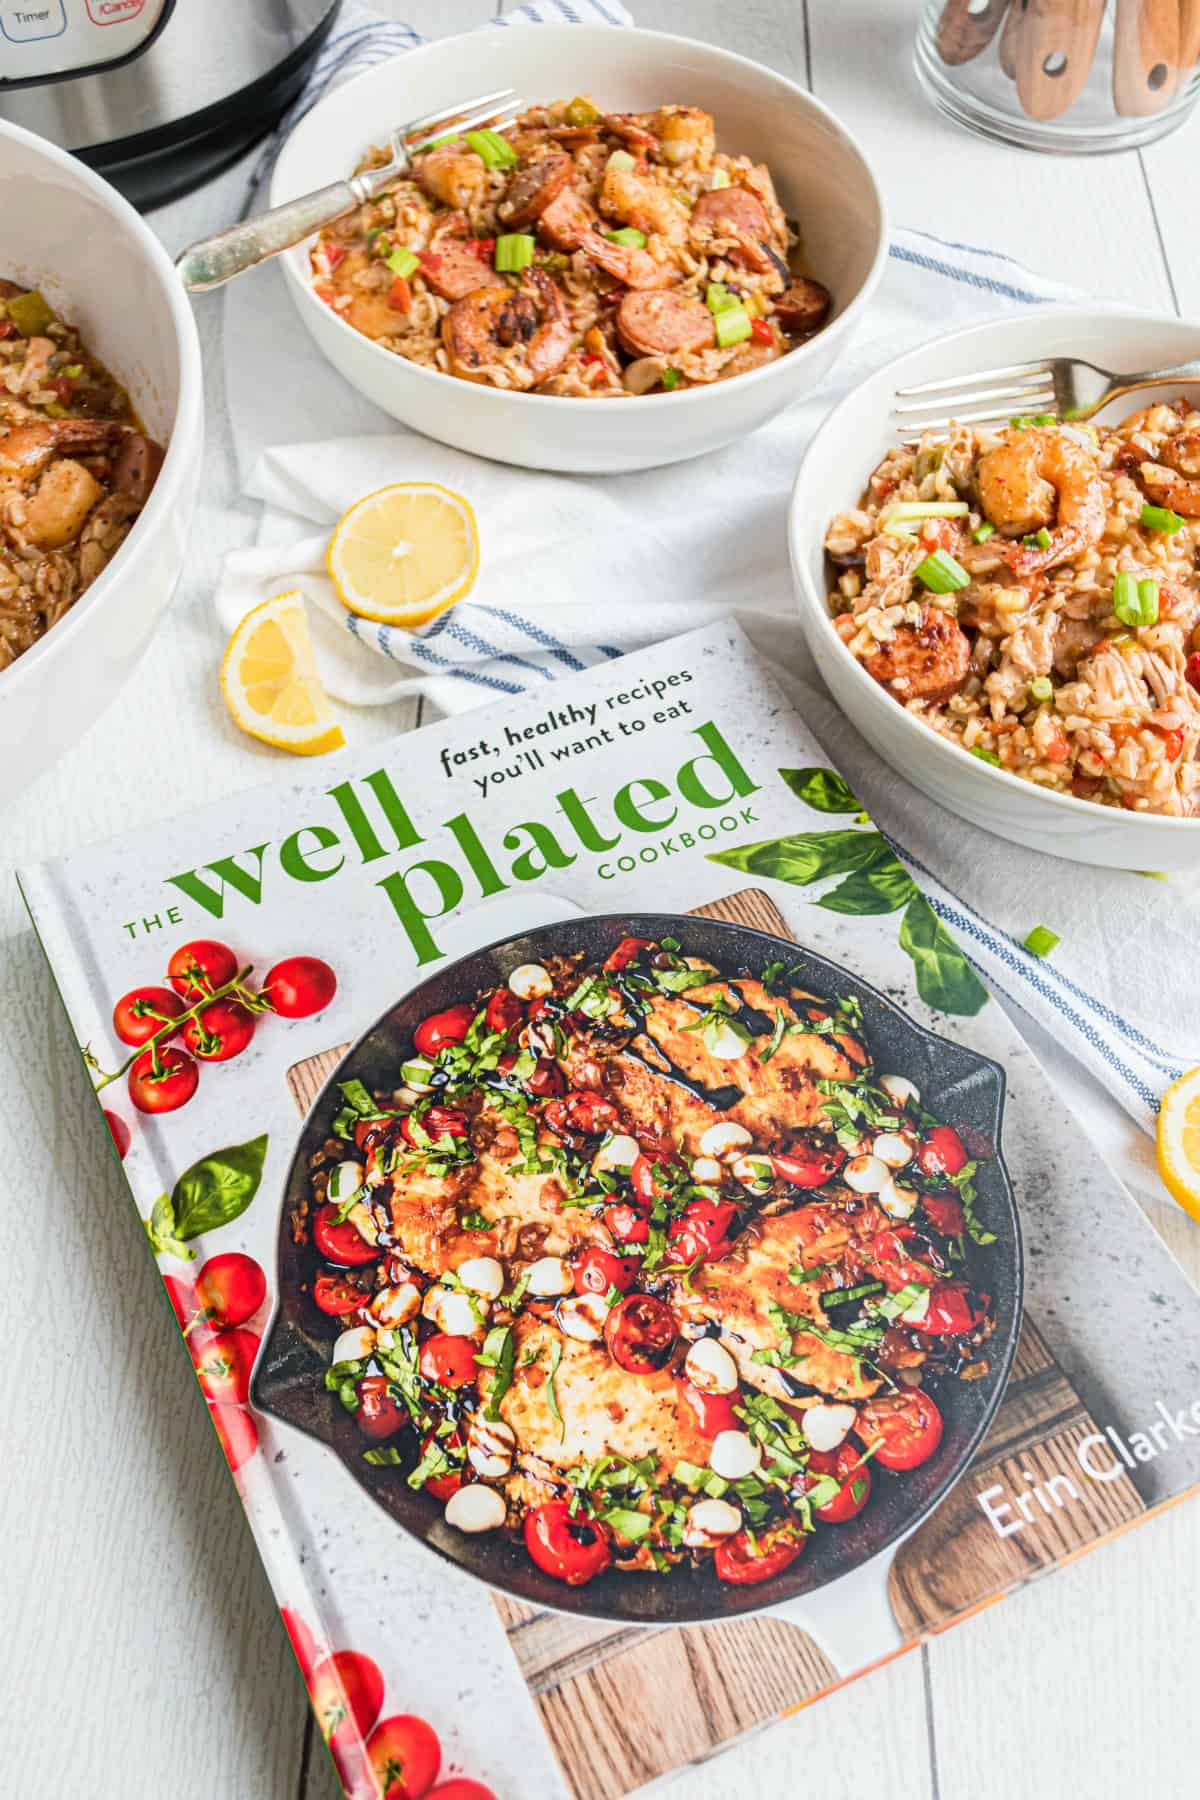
(552, 1393)
(386, 1456)
(843, 1296)
(895, 1304)
(474, 1221)
(777, 1036)
(632, 1525)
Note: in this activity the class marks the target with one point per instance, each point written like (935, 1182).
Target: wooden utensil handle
(1146, 55)
(1189, 36)
(1054, 54)
(1010, 37)
(967, 27)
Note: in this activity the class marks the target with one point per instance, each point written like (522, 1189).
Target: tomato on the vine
(199, 968)
(405, 1756)
(377, 1415)
(230, 1288)
(744, 1558)
(504, 1010)
(237, 1432)
(119, 1131)
(598, 1270)
(304, 1644)
(570, 1549)
(713, 1413)
(846, 1466)
(341, 1243)
(441, 1028)
(346, 1690)
(219, 1032)
(223, 1362)
(143, 1011)
(908, 1425)
(336, 1296)
(300, 986)
(942, 1152)
(702, 1230)
(162, 1080)
(448, 1359)
(640, 1333)
(461, 1788)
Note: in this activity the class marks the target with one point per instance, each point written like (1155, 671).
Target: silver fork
(215, 260)
(1064, 386)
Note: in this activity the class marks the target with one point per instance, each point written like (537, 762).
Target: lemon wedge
(270, 683)
(1179, 1141)
(405, 553)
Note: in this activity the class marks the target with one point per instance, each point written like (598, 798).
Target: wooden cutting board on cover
(624, 1704)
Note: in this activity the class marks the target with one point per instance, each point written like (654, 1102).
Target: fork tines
(496, 111)
(978, 399)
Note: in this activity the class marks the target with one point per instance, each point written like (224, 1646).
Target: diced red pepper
(324, 291)
(484, 248)
(8, 330)
(1172, 737)
(761, 332)
(334, 254)
(1192, 669)
(400, 295)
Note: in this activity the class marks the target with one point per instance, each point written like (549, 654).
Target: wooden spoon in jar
(1146, 55)
(1010, 37)
(967, 27)
(1055, 48)
(1189, 36)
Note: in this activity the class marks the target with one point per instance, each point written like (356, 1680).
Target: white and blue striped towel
(577, 570)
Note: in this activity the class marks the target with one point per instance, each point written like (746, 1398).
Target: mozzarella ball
(898, 1202)
(475, 1508)
(491, 1446)
(354, 1345)
(549, 1276)
(483, 1275)
(725, 1138)
(900, 1089)
(826, 1426)
(582, 1317)
(893, 1150)
(617, 1152)
(345, 1180)
(734, 1455)
(459, 1315)
(530, 982)
(755, 1172)
(710, 1368)
(866, 1174)
(395, 1306)
(706, 1169)
(724, 1044)
(708, 1522)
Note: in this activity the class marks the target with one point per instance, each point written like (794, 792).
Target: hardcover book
(621, 1244)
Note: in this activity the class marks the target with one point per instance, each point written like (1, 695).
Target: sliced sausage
(453, 270)
(136, 468)
(566, 220)
(732, 212)
(803, 307)
(661, 322)
(928, 661)
(534, 186)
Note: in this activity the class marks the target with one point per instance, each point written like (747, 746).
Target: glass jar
(1070, 75)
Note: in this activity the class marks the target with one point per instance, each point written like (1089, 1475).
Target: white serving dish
(822, 176)
(70, 234)
(831, 477)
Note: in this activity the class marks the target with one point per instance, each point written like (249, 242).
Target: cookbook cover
(638, 1277)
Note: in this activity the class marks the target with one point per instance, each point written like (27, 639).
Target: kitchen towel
(577, 569)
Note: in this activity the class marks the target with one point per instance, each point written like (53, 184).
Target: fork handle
(1117, 386)
(215, 260)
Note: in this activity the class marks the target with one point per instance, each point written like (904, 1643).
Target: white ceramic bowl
(70, 234)
(822, 177)
(832, 475)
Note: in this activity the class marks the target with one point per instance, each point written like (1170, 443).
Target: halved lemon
(405, 553)
(1179, 1141)
(270, 683)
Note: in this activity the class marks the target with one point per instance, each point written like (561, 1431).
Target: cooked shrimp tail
(1042, 479)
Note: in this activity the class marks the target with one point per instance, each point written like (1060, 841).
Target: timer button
(23, 21)
(113, 12)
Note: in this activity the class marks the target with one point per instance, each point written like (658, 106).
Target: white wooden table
(140, 1653)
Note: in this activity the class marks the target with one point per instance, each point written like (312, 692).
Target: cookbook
(626, 1253)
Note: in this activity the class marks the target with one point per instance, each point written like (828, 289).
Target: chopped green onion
(447, 137)
(581, 112)
(401, 261)
(1161, 518)
(718, 298)
(928, 509)
(72, 371)
(635, 240)
(983, 532)
(30, 313)
(1042, 539)
(514, 252)
(621, 159)
(731, 325)
(720, 179)
(1041, 940)
(1043, 419)
(987, 756)
(941, 574)
(902, 531)
(671, 379)
(1042, 688)
(1135, 602)
(496, 151)
(1019, 421)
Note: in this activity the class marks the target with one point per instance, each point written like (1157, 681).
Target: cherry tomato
(845, 1464)
(219, 1032)
(546, 1079)
(199, 968)
(442, 1486)
(449, 1027)
(643, 1180)
(909, 1424)
(702, 1230)
(743, 1559)
(438, 1122)
(378, 1415)
(120, 1132)
(627, 951)
(223, 1362)
(143, 1011)
(573, 1550)
(337, 1297)
(640, 1333)
(369, 1132)
(238, 1433)
(954, 1308)
(449, 1360)
(230, 1288)
(405, 1756)
(342, 1244)
(182, 1296)
(627, 1224)
(945, 1213)
(164, 1088)
(346, 1691)
(713, 1413)
(598, 1270)
(809, 1165)
(580, 1114)
(504, 1010)
(461, 1789)
(304, 1644)
(894, 1253)
(942, 1153)
(300, 986)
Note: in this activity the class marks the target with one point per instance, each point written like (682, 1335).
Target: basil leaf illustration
(805, 858)
(822, 789)
(945, 979)
(882, 888)
(218, 1188)
(163, 1232)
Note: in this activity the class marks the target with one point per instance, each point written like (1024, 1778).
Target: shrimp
(686, 135)
(736, 215)
(625, 262)
(27, 450)
(47, 501)
(1175, 482)
(635, 198)
(522, 334)
(452, 174)
(1035, 476)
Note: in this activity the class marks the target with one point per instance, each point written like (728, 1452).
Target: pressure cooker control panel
(47, 40)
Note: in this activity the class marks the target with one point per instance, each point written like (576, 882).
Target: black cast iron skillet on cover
(962, 1088)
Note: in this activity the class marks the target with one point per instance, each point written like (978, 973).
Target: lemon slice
(270, 683)
(405, 553)
(1179, 1141)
